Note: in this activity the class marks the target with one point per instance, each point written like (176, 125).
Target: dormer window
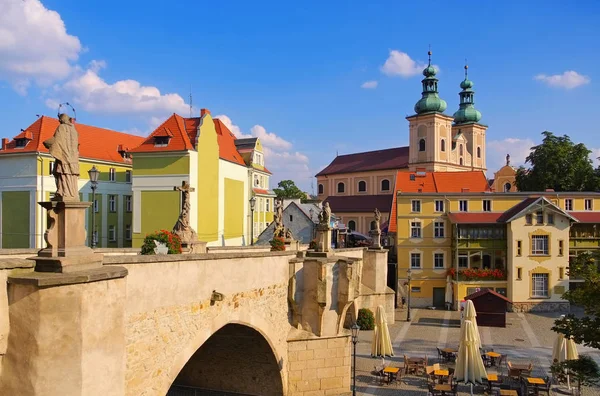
(161, 141)
(123, 152)
(21, 143)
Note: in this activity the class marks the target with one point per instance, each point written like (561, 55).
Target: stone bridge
(252, 322)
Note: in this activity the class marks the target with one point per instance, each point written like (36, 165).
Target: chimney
(549, 190)
(4, 143)
(203, 112)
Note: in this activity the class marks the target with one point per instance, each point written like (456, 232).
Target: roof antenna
(190, 100)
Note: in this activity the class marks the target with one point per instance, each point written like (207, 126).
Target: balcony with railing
(584, 236)
(480, 237)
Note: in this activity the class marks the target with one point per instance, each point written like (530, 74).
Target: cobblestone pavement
(526, 338)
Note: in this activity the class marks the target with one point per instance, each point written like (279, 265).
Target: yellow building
(517, 244)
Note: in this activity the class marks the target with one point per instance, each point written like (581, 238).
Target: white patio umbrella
(381, 344)
(469, 365)
(448, 298)
(471, 315)
(564, 349)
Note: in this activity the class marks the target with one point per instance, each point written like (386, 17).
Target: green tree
(559, 164)
(584, 329)
(585, 370)
(287, 189)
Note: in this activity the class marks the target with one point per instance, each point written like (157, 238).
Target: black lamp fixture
(409, 277)
(355, 330)
(94, 174)
(252, 205)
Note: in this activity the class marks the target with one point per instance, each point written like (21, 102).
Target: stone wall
(371, 300)
(319, 366)
(540, 307)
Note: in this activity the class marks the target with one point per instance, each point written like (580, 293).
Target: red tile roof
(227, 149)
(474, 218)
(94, 143)
(586, 217)
(359, 203)
(261, 191)
(394, 158)
(484, 292)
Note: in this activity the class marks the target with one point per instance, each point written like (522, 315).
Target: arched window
(385, 185)
(321, 189)
(362, 186)
(422, 145)
(460, 161)
(443, 145)
(373, 225)
(352, 225)
(460, 150)
(507, 187)
(341, 187)
(478, 152)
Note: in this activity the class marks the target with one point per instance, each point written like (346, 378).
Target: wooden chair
(379, 374)
(499, 363)
(432, 391)
(441, 355)
(513, 374)
(546, 388)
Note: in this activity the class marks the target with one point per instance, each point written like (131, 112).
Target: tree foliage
(558, 164)
(287, 189)
(585, 329)
(585, 370)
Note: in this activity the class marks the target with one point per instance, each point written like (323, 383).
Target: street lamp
(355, 330)
(252, 204)
(409, 277)
(94, 173)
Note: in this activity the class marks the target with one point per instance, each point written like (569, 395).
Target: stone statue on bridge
(377, 217)
(325, 215)
(182, 228)
(64, 147)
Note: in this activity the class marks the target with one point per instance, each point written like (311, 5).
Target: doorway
(439, 297)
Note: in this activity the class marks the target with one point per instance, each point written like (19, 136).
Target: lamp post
(252, 204)
(94, 173)
(355, 330)
(409, 277)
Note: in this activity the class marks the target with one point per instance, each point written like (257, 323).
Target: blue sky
(292, 74)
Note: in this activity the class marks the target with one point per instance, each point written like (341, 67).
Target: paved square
(526, 338)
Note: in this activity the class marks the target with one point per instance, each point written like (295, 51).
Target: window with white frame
(589, 204)
(128, 203)
(438, 229)
(463, 260)
(463, 205)
(487, 205)
(51, 167)
(415, 205)
(128, 232)
(539, 285)
(128, 176)
(568, 204)
(112, 203)
(112, 175)
(439, 205)
(415, 260)
(438, 260)
(112, 233)
(267, 205)
(539, 245)
(415, 229)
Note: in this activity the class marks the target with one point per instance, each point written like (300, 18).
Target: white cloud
(400, 64)
(496, 151)
(568, 80)
(270, 139)
(95, 95)
(236, 130)
(595, 155)
(34, 45)
(369, 84)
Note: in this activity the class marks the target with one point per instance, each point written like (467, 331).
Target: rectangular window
(96, 208)
(589, 204)
(416, 206)
(519, 273)
(560, 247)
(267, 205)
(415, 260)
(539, 217)
(51, 167)
(539, 245)
(438, 260)
(463, 205)
(112, 203)
(550, 218)
(539, 285)
(568, 204)
(128, 203)
(561, 273)
(439, 205)
(415, 229)
(112, 175)
(112, 233)
(415, 289)
(128, 176)
(128, 232)
(438, 229)
(463, 260)
(487, 205)
(528, 219)
(519, 248)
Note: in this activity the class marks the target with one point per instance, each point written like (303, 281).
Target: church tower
(430, 129)
(468, 134)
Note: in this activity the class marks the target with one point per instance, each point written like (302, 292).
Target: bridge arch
(231, 333)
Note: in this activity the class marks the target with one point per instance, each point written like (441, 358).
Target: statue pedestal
(376, 235)
(323, 238)
(196, 247)
(66, 237)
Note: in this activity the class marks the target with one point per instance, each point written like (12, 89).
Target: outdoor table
(441, 374)
(508, 392)
(443, 388)
(491, 379)
(493, 356)
(535, 382)
(449, 350)
(390, 371)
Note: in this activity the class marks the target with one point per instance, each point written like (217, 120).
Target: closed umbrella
(564, 349)
(469, 365)
(471, 315)
(448, 298)
(382, 343)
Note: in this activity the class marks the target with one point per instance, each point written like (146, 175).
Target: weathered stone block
(334, 362)
(315, 393)
(293, 356)
(298, 365)
(331, 383)
(308, 374)
(326, 372)
(341, 371)
(315, 363)
(316, 344)
(338, 391)
(321, 354)
(305, 355)
(295, 375)
(297, 346)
